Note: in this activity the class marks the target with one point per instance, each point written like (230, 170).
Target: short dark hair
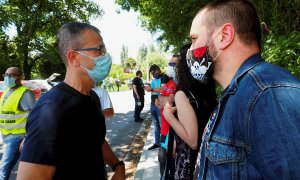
(153, 67)
(69, 37)
(138, 72)
(241, 13)
(176, 56)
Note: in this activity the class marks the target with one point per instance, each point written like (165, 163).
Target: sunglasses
(173, 64)
(102, 49)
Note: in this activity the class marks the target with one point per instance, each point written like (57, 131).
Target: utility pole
(147, 61)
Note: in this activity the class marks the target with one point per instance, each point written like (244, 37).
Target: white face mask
(170, 71)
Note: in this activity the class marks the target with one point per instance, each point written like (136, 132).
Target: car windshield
(33, 86)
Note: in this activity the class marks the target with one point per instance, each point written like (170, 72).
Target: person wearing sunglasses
(15, 104)
(166, 95)
(159, 80)
(66, 129)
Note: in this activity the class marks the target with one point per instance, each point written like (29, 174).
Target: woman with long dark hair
(195, 101)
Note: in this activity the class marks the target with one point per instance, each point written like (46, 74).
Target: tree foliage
(284, 51)
(130, 64)
(33, 47)
(124, 55)
(142, 55)
(172, 20)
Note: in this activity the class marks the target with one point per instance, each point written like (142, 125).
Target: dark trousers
(138, 109)
(162, 159)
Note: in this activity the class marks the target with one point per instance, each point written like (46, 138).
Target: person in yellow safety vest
(15, 105)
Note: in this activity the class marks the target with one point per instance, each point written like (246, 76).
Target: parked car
(2, 88)
(48, 83)
(37, 88)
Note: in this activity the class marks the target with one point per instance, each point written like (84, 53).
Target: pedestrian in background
(138, 94)
(66, 129)
(118, 83)
(166, 95)
(159, 80)
(15, 104)
(254, 133)
(105, 102)
(103, 84)
(111, 84)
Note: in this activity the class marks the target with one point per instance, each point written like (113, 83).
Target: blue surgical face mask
(9, 81)
(102, 68)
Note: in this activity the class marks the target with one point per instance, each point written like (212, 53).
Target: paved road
(120, 129)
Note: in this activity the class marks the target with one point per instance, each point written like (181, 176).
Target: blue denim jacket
(254, 133)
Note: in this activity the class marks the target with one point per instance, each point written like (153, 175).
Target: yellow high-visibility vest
(12, 121)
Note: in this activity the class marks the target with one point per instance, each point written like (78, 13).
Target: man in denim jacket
(254, 132)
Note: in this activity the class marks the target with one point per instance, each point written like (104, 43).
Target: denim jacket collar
(248, 64)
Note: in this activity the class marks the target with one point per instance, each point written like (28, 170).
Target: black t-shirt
(139, 86)
(66, 129)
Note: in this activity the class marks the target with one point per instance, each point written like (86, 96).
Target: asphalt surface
(121, 129)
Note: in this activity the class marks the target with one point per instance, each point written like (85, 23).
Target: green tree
(284, 51)
(172, 19)
(36, 24)
(7, 57)
(142, 55)
(158, 59)
(124, 55)
(281, 17)
(130, 65)
(117, 71)
(155, 58)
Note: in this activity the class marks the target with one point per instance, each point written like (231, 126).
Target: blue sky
(118, 29)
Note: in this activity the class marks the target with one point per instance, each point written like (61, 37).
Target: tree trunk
(26, 66)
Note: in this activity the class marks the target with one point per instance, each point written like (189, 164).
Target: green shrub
(284, 51)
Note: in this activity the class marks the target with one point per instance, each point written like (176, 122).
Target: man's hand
(119, 173)
(21, 145)
(157, 103)
(148, 89)
(171, 99)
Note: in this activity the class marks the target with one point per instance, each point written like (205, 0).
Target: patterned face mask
(199, 60)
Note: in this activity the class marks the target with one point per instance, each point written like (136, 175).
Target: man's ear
(227, 35)
(72, 58)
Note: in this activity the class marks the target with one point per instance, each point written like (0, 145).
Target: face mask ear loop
(84, 55)
(217, 55)
(211, 41)
(213, 38)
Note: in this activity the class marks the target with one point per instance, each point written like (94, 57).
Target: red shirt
(169, 88)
